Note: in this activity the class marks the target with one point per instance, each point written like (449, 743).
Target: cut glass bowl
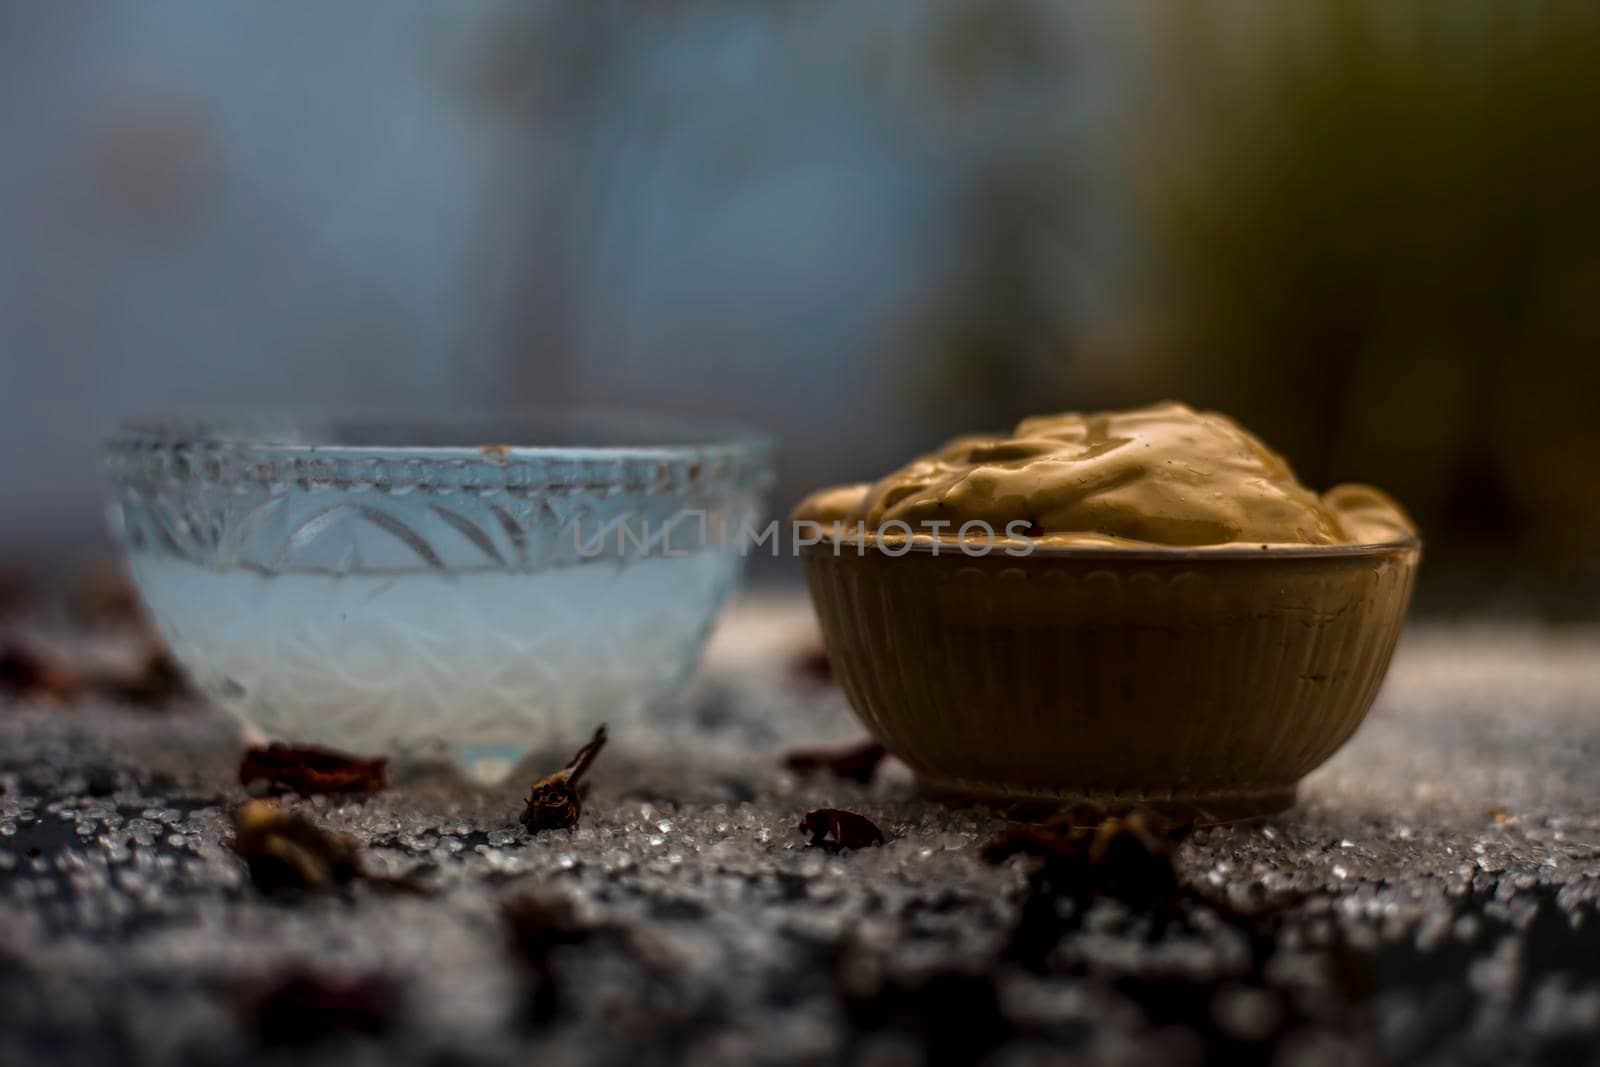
(464, 588)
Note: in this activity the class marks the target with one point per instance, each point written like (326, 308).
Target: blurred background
(1369, 231)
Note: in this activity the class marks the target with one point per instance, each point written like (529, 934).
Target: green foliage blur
(1371, 232)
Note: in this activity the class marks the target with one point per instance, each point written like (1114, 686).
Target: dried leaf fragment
(854, 763)
(310, 769)
(300, 1006)
(835, 829)
(554, 802)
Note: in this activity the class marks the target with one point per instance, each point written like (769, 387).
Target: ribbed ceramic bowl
(1205, 683)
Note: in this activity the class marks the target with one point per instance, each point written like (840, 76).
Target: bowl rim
(277, 433)
(950, 548)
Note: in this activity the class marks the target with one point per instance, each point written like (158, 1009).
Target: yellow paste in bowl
(1159, 475)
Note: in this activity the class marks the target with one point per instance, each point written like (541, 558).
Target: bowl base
(1207, 808)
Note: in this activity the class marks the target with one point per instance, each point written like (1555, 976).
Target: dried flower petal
(835, 829)
(855, 763)
(310, 769)
(300, 1006)
(554, 802)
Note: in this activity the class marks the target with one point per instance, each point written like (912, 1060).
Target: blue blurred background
(1369, 231)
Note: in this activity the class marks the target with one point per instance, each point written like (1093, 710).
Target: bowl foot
(1207, 808)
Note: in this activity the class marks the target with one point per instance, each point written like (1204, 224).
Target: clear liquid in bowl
(482, 665)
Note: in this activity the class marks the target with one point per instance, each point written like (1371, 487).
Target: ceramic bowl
(467, 588)
(1204, 683)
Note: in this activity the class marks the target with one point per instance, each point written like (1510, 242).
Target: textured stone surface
(1451, 854)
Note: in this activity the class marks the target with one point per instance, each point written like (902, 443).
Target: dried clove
(287, 851)
(835, 829)
(854, 763)
(554, 801)
(309, 770)
(300, 1006)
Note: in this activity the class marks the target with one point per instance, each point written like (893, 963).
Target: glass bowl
(1202, 683)
(468, 588)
